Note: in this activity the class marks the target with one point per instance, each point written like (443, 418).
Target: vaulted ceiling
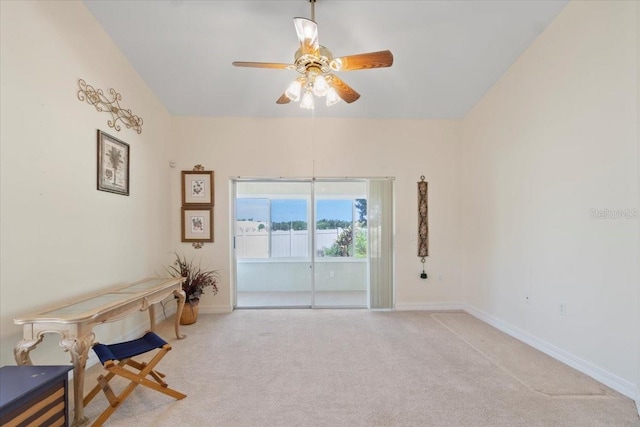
(447, 54)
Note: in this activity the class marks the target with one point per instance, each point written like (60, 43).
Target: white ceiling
(447, 54)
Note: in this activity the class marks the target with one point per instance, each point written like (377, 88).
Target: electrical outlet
(439, 277)
(331, 274)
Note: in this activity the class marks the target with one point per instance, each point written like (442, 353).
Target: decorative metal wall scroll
(197, 206)
(98, 99)
(423, 221)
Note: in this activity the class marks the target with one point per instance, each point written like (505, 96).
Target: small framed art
(197, 188)
(113, 164)
(197, 224)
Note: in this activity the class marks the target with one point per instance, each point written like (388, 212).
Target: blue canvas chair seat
(115, 357)
(126, 350)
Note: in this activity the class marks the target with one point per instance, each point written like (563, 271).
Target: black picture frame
(113, 164)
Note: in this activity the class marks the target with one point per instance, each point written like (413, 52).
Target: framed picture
(197, 224)
(197, 188)
(113, 164)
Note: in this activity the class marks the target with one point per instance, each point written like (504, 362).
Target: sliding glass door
(307, 243)
(273, 244)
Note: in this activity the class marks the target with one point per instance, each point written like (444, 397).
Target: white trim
(319, 260)
(607, 378)
(305, 179)
(430, 306)
(215, 309)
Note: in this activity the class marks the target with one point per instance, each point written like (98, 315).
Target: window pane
(360, 229)
(334, 232)
(289, 235)
(252, 234)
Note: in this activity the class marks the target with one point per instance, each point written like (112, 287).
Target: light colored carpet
(533, 369)
(362, 368)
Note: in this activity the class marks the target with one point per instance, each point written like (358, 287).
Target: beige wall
(638, 178)
(335, 148)
(553, 140)
(61, 238)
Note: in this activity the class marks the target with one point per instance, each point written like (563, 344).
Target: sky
(292, 210)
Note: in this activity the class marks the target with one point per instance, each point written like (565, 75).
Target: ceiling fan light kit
(316, 65)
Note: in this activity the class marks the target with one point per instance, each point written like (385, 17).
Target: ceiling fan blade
(383, 58)
(343, 90)
(284, 99)
(261, 65)
(307, 31)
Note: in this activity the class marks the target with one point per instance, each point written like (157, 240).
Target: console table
(75, 321)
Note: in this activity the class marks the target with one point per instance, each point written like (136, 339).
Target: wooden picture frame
(113, 164)
(197, 224)
(198, 188)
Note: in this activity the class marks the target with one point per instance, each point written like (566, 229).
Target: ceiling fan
(316, 65)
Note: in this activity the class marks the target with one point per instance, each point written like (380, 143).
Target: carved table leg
(22, 349)
(181, 299)
(79, 350)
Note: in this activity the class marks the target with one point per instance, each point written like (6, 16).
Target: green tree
(361, 243)
(330, 224)
(289, 225)
(361, 206)
(343, 246)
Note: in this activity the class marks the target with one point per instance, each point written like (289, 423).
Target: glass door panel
(341, 267)
(272, 244)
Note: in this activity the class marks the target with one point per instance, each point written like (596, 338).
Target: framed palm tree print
(113, 164)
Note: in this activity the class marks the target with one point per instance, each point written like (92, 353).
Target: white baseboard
(607, 378)
(433, 306)
(215, 309)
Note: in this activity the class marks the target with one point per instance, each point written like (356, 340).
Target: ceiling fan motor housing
(304, 63)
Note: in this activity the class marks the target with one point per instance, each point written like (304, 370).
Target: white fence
(284, 244)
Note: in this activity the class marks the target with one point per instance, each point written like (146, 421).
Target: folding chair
(114, 357)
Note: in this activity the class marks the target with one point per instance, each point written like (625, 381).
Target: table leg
(79, 350)
(182, 297)
(22, 349)
(152, 317)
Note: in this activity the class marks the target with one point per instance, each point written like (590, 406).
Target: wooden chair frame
(118, 367)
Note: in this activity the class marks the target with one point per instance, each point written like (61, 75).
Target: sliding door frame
(312, 223)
